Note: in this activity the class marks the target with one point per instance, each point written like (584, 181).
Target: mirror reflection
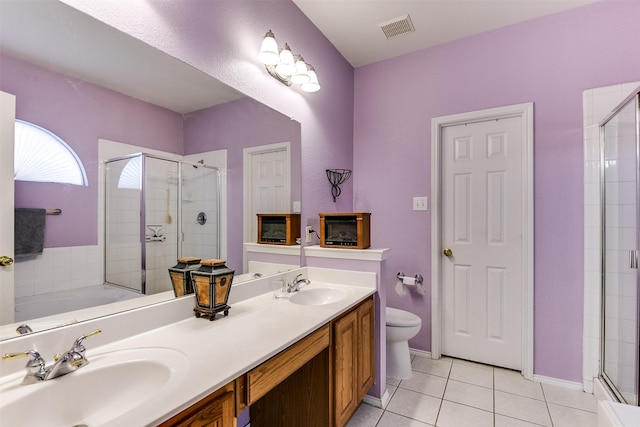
(109, 96)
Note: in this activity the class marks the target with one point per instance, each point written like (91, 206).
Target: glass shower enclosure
(157, 210)
(620, 136)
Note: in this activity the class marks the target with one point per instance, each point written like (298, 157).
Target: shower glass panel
(160, 210)
(200, 211)
(620, 148)
(157, 210)
(123, 197)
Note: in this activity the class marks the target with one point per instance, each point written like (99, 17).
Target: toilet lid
(401, 318)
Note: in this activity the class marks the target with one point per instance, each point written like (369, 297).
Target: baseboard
(421, 353)
(378, 402)
(558, 382)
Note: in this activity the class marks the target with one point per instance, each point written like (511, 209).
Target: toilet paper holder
(418, 277)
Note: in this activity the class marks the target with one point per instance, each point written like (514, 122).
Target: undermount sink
(109, 386)
(318, 296)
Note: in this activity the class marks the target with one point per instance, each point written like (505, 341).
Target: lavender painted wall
(234, 126)
(80, 113)
(222, 38)
(549, 61)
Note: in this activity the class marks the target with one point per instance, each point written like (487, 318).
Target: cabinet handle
(5, 261)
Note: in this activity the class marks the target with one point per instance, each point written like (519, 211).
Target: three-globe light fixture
(287, 67)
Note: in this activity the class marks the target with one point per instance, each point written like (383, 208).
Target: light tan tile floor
(456, 393)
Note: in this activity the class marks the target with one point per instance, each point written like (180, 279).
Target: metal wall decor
(337, 177)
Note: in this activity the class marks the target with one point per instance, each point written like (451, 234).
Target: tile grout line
(546, 403)
(494, 397)
(448, 378)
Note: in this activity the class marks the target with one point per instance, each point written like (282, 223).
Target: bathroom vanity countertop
(219, 351)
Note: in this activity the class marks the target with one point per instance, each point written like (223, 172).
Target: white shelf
(293, 250)
(353, 254)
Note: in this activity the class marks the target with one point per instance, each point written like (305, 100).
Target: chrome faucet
(295, 286)
(63, 363)
(36, 370)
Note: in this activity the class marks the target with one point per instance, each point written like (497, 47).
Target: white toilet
(401, 327)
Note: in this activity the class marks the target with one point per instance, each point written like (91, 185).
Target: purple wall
(234, 126)
(80, 113)
(548, 61)
(222, 38)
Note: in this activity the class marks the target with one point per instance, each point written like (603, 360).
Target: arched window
(131, 176)
(42, 156)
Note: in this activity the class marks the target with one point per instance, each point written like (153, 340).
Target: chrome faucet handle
(299, 279)
(35, 366)
(78, 347)
(295, 286)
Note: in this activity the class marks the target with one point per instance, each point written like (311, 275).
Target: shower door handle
(5, 261)
(633, 259)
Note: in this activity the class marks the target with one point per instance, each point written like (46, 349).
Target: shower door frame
(180, 235)
(603, 375)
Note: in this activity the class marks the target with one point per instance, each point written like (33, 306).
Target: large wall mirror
(109, 96)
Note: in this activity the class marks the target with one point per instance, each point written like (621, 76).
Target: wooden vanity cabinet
(353, 360)
(215, 410)
(317, 382)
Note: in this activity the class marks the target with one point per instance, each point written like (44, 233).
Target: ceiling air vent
(397, 27)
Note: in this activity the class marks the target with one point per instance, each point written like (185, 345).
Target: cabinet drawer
(272, 372)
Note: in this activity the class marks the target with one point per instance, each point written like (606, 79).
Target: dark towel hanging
(29, 231)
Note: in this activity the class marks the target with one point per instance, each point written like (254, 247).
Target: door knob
(5, 261)
(447, 252)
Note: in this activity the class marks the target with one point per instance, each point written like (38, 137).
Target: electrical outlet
(420, 204)
(307, 231)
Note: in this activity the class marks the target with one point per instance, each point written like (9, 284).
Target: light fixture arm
(285, 80)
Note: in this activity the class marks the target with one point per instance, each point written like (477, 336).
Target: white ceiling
(352, 25)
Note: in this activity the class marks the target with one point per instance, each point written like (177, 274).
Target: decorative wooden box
(345, 230)
(211, 285)
(278, 229)
(181, 275)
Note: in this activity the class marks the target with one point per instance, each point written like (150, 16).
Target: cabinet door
(345, 334)
(215, 410)
(365, 348)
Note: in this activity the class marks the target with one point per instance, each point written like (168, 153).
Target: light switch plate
(420, 203)
(297, 208)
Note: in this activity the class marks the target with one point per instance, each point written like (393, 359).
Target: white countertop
(222, 350)
(219, 351)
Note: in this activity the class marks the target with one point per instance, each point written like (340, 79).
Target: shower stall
(620, 149)
(157, 210)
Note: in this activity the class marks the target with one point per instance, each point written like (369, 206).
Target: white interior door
(7, 130)
(482, 231)
(266, 186)
(269, 185)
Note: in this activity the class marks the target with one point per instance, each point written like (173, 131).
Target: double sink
(113, 383)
